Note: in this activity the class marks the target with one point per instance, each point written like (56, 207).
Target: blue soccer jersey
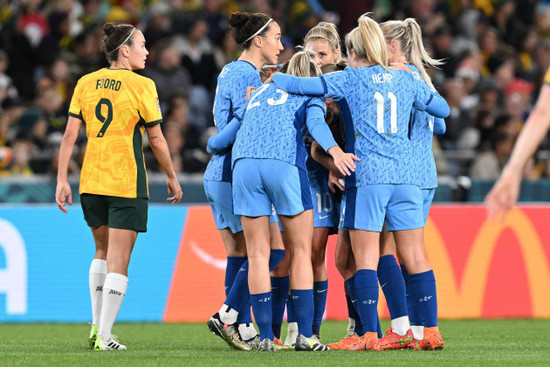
(376, 104)
(236, 83)
(273, 126)
(422, 131)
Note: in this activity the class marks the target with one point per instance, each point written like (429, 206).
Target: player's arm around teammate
(272, 172)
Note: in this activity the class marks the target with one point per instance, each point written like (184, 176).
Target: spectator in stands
(21, 164)
(489, 163)
(546, 169)
(58, 36)
(488, 45)
(175, 141)
(490, 96)
(159, 25)
(216, 19)
(475, 135)
(197, 55)
(82, 55)
(7, 89)
(518, 99)
(225, 50)
(166, 70)
(458, 120)
(59, 77)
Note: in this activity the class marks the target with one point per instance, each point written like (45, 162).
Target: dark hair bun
(238, 20)
(108, 29)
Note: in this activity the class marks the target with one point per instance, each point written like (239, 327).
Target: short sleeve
(547, 77)
(337, 83)
(150, 107)
(75, 108)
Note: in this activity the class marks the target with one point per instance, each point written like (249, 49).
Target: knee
(317, 258)
(341, 264)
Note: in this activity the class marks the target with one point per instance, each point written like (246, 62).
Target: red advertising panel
(487, 269)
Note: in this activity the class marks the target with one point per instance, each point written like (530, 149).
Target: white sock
(292, 326)
(96, 277)
(247, 331)
(114, 290)
(418, 332)
(228, 315)
(401, 325)
(351, 326)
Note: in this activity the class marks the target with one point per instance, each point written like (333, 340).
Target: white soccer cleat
(111, 344)
(310, 344)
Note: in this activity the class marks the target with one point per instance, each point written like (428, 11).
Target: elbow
(69, 137)
(157, 143)
(446, 110)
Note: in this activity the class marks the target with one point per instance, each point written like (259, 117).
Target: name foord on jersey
(108, 84)
(380, 78)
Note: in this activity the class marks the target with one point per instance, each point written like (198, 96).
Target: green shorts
(115, 212)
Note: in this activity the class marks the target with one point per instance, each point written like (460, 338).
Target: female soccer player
(260, 37)
(117, 105)
(406, 50)
(383, 186)
(269, 169)
(323, 43)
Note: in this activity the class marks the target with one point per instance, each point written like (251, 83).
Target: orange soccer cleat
(369, 341)
(392, 340)
(345, 343)
(432, 340)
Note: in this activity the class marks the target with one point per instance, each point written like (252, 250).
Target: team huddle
(325, 145)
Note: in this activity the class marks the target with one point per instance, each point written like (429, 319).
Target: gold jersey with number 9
(116, 106)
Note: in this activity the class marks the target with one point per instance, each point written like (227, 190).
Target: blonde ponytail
(409, 35)
(367, 40)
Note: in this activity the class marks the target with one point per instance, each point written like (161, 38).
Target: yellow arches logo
(464, 297)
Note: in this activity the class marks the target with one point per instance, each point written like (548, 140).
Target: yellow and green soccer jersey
(116, 106)
(547, 76)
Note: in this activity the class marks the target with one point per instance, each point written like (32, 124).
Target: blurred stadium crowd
(496, 53)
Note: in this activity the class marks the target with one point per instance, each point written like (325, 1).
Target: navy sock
(393, 286)
(350, 283)
(279, 290)
(261, 305)
(231, 270)
(302, 302)
(366, 290)
(290, 315)
(239, 296)
(423, 289)
(352, 314)
(411, 304)
(319, 304)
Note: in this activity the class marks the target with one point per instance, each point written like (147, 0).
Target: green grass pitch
(468, 343)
